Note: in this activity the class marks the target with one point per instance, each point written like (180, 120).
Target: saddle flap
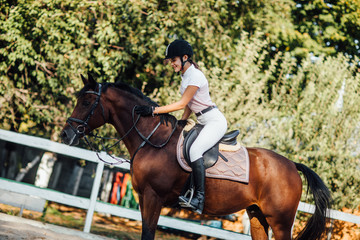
(210, 156)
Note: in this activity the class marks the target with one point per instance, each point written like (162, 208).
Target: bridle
(83, 124)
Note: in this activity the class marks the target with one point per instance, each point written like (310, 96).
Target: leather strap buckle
(205, 110)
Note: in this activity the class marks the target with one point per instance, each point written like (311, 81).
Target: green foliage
(327, 26)
(275, 69)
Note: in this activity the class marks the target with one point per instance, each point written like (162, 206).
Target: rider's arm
(182, 103)
(186, 113)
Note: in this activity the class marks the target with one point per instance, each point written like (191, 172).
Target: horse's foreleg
(150, 206)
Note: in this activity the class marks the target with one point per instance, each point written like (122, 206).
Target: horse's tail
(316, 225)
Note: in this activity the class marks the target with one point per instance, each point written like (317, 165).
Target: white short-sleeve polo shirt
(201, 99)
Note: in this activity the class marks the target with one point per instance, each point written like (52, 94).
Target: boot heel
(199, 211)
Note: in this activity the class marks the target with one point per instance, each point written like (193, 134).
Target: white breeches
(215, 127)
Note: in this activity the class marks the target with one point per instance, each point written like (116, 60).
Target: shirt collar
(188, 71)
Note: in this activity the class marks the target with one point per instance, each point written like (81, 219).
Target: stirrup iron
(186, 204)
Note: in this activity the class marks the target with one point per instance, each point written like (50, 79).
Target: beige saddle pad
(236, 169)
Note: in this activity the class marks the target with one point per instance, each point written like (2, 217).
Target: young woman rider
(195, 98)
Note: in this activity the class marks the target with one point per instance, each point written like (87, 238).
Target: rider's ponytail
(194, 63)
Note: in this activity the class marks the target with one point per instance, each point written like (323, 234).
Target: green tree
(327, 27)
(274, 67)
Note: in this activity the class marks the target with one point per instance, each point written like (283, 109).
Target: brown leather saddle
(210, 156)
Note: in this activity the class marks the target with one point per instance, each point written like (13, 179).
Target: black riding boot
(197, 202)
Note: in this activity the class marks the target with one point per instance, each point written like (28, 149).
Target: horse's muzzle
(69, 137)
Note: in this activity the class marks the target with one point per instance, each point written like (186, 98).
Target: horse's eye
(85, 103)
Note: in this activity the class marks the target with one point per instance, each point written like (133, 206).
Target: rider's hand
(182, 123)
(144, 110)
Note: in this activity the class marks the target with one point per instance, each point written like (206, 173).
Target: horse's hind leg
(281, 226)
(280, 214)
(281, 219)
(259, 227)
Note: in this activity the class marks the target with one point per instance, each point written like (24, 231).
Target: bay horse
(270, 198)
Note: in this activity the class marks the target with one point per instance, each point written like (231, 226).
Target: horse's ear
(85, 81)
(91, 80)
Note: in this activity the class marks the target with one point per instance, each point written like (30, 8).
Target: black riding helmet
(179, 48)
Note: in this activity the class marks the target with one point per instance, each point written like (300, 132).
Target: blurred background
(285, 73)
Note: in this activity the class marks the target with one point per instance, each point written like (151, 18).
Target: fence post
(93, 196)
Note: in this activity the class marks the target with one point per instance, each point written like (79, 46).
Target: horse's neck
(123, 123)
(121, 107)
(120, 110)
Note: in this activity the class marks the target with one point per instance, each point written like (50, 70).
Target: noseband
(83, 124)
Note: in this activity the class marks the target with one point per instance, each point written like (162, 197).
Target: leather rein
(83, 124)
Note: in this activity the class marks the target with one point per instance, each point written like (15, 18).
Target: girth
(211, 155)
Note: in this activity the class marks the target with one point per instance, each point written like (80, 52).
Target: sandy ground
(17, 228)
(12, 227)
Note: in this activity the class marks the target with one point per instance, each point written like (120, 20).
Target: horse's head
(88, 113)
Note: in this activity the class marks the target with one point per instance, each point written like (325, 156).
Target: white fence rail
(93, 205)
